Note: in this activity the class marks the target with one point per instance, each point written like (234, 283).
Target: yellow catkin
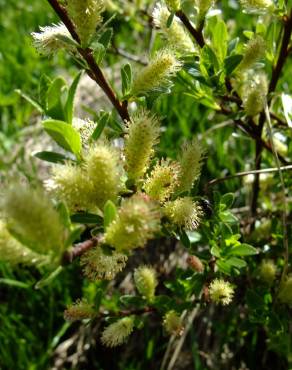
(49, 39)
(221, 292)
(31, 215)
(79, 310)
(118, 332)
(254, 94)
(86, 15)
(172, 323)
(191, 161)
(100, 266)
(137, 221)
(161, 68)
(163, 180)
(175, 35)
(142, 135)
(145, 281)
(254, 51)
(184, 212)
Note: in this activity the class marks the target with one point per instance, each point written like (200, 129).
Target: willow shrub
(112, 193)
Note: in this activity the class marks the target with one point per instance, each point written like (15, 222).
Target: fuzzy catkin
(162, 181)
(221, 292)
(12, 251)
(86, 15)
(137, 221)
(31, 215)
(79, 310)
(48, 40)
(175, 35)
(100, 266)
(145, 281)
(254, 95)
(157, 73)
(71, 184)
(260, 6)
(103, 170)
(191, 161)
(172, 323)
(184, 212)
(142, 135)
(118, 332)
(254, 50)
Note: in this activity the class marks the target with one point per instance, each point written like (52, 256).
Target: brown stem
(94, 71)
(79, 249)
(197, 35)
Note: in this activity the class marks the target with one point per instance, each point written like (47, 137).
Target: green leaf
(219, 39)
(236, 262)
(69, 106)
(244, 250)
(64, 135)
(47, 279)
(106, 37)
(74, 235)
(184, 239)
(110, 212)
(98, 52)
(64, 214)
(227, 199)
(228, 217)
(126, 74)
(52, 157)
(230, 63)
(170, 19)
(132, 300)
(67, 40)
(215, 251)
(54, 101)
(14, 283)
(86, 218)
(32, 101)
(102, 122)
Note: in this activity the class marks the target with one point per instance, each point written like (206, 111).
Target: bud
(142, 135)
(118, 332)
(195, 263)
(49, 40)
(13, 252)
(79, 310)
(183, 212)
(137, 221)
(163, 180)
(145, 281)
(221, 291)
(173, 5)
(254, 95)
(172, 323)
(100, 266)
(86, 15)
(32, 217)
(258, 6)
(268, 271)
(254, 50)
(190, 165)
(175, 35)
(285, 294)
(103, 171)
(157, 74)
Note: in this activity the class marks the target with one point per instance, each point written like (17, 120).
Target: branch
(79, 249)
(94, 71)
(197, 35)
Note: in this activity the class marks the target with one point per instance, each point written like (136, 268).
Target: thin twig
(94, 71)
(285, 206)
(197, 35)
(79, 249)
(246, 173)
